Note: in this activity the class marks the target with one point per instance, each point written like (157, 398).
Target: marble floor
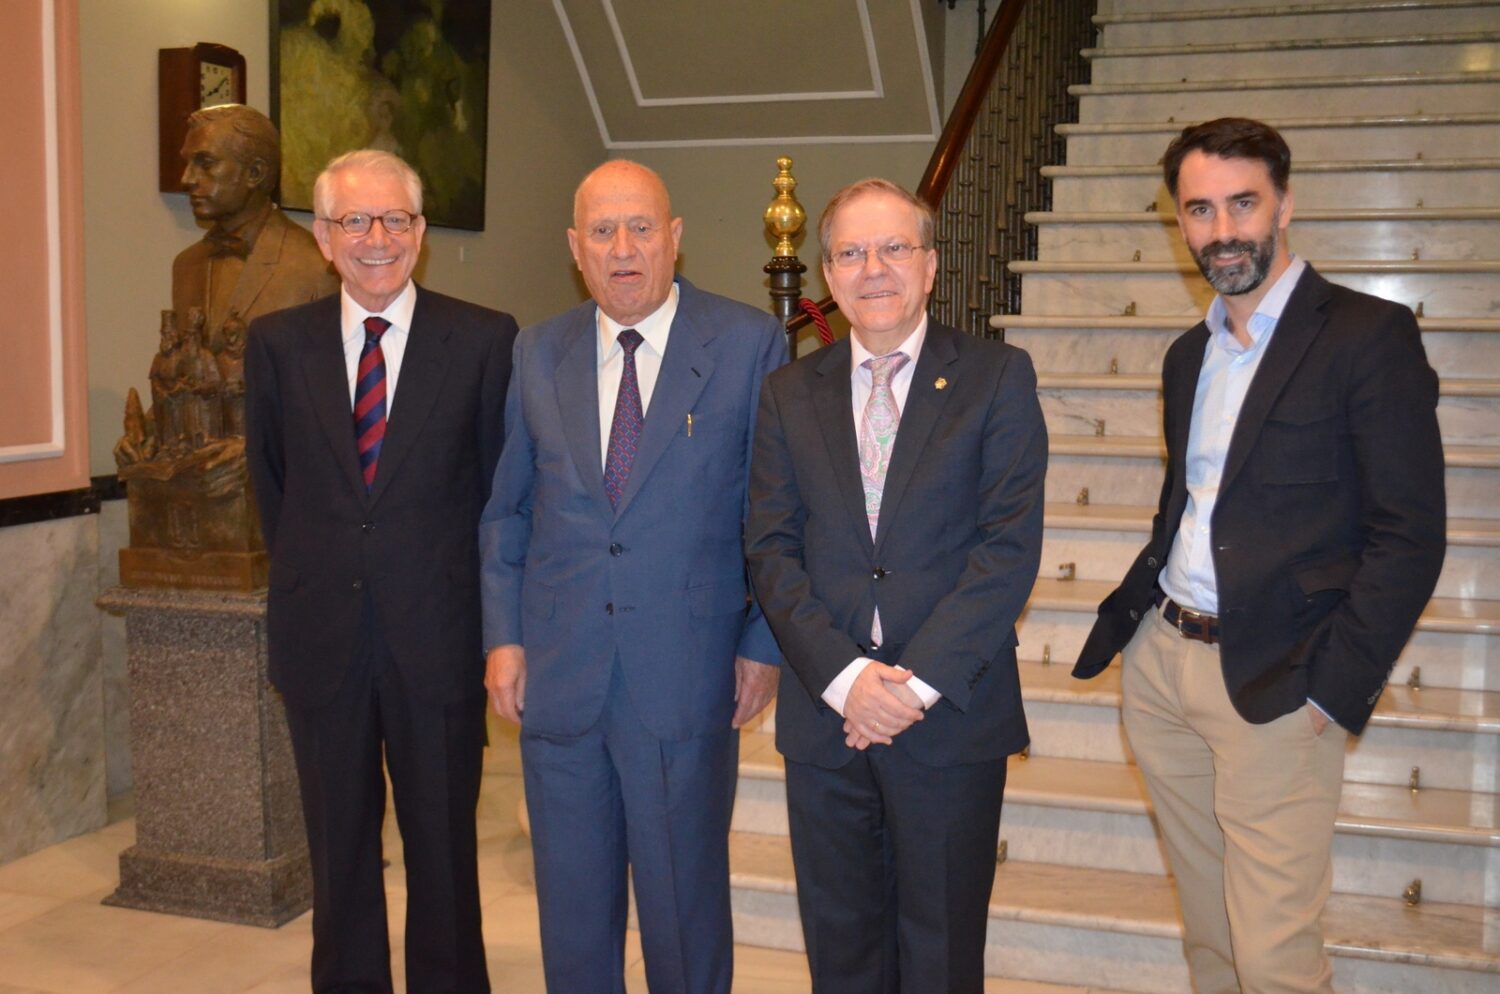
(56, 938)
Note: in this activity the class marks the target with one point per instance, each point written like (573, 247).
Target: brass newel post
(784, 219)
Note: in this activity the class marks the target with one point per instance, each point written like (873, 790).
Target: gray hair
(926, 219)
(374, 160)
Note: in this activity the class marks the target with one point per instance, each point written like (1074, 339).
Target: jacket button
(1151, 561)
(609, 608)
(358, 585)
(616, 549)
(879, 573)
(1135, 615)
(367, 527)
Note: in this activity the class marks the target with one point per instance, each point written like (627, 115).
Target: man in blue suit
(616, 612)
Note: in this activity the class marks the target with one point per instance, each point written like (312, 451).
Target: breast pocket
(1299, 443)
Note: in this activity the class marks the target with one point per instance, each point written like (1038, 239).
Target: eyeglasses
(889, 253)
(357, 224)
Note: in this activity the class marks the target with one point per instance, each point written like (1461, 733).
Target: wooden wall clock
(188, 79)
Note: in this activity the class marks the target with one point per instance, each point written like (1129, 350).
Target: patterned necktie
(369, 399)
(877, 436)
(877, 430)
(625, 430)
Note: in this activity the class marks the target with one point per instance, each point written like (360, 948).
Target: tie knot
(630, 340)
(883, 367)
(375, 327)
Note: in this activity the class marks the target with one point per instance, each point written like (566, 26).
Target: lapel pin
(940, 383)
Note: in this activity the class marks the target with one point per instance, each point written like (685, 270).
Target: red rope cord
(810, 308)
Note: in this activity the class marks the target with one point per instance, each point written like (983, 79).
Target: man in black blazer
(1299, 533)
(373, 425)
(895, 529)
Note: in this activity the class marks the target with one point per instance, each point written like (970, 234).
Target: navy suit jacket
(1328, 530)
(407, 544)
(658, 581)
(954, 559)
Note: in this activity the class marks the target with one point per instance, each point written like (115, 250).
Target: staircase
(1392, 109)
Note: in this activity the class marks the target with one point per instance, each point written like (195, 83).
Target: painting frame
(388, 74)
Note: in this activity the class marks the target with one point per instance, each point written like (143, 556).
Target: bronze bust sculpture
(192, 520)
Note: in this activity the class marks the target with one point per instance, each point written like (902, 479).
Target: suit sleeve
(756, 641)
(1392, 418)
(505, 524)
(815, 647)
(265, 453)
(966, 626)
(492, 389)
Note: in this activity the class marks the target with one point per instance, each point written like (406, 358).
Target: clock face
(215, 85)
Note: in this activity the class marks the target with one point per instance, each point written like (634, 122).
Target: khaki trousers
(1246, 815)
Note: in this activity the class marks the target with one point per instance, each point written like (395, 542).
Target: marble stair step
(1394, 136)
(1323, 184)
(1187, 9)
(1074, 925)
(1456, 347)
(1431, 52)
(1467, 568)
(1311, 20)
(1469, 288)
(1396, 233)
(1096, 813)
(1387, 93)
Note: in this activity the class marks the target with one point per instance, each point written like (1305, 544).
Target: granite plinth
(219, 830)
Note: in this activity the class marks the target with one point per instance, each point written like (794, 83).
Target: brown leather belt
(1190, 624)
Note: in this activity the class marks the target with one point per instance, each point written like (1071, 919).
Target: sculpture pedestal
(219, 830)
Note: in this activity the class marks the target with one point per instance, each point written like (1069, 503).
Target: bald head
(624, 239)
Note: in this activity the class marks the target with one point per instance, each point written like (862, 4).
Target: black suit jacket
(1329, 526)
(954, 561)
(410, 544)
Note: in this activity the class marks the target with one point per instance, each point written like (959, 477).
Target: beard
(1242, 277)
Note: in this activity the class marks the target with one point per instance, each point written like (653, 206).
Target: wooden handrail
(960, 122)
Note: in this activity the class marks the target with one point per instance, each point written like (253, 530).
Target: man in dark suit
(374, 421)
(895, 528)
(1300, 532)
(615, 611)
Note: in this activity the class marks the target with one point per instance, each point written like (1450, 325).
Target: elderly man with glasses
(374, 420)
(895, 528)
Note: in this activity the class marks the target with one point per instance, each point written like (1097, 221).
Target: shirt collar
(352, 314)
(858, 354)
(654, 327)
(1267, 312)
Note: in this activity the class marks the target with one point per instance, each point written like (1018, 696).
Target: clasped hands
(880, 706)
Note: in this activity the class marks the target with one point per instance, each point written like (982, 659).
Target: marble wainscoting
(52, 778)
(114, 535)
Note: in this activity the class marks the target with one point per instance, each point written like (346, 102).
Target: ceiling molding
(876, 92)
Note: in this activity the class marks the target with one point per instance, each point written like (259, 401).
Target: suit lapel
(424, 365)
(578, 403)
(1300, 323)
(328, 386)
(260, 265)
(924, 401)
(685, 370)
(833, 400)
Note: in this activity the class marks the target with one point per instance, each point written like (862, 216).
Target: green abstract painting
(407, 76)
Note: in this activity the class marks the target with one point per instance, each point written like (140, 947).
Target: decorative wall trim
(55, 446)
(48, 507)
(876, 91)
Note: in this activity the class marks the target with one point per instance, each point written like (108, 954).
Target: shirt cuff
(837, 692)
(1321, 709)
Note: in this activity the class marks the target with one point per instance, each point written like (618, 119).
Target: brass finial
(1098, 427)
(1421, 308)
(1414, 782)
(1129, 310)
(1002, 851)
(1114, 366)
(785, 217)
(1414, 681)
(1413, 893)
(1067, 571)
(1082, 500)
(1047, 654)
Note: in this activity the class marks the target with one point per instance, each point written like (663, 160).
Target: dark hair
(1230, 138)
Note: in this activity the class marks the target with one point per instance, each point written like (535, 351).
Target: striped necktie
(369, 399)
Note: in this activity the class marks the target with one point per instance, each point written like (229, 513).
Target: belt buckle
(1203, 623)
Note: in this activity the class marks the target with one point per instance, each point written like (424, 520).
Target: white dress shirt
(655, 329)
(861, 383)
(392, 343)
(1228, 368)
